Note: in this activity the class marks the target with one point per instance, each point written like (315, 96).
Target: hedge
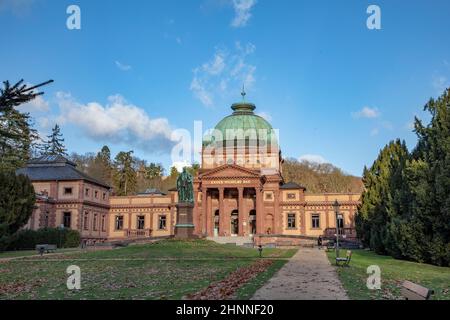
(28, 239)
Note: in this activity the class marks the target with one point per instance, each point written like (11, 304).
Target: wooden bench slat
(416, 291)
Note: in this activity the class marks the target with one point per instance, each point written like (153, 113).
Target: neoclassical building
(239, 191)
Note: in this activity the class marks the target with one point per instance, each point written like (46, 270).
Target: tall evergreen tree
(17, 198)
(383, 197)
(16, 133)
(55, 143)
(101, 167)
(429, 176)
(124, 179)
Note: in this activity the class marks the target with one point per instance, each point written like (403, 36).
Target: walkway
(308, 275)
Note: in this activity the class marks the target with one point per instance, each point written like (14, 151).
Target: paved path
(308, 275)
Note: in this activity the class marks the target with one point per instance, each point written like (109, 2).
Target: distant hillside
(320, 178)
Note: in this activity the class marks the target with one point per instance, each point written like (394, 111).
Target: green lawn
(393, 273)
(26, 253)
(167, 269)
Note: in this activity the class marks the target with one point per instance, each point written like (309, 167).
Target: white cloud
(226, 69)
(374, 132)
(117, 122)
(123, 67)
(242, 10)
(215, 66)
(179, 165)
(312, 158)
(367, 112)
(440, 83)
(39, 104)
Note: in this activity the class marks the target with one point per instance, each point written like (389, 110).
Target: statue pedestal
(184, 229)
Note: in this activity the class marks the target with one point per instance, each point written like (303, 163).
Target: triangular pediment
(230, 170)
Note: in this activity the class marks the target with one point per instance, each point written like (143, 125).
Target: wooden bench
(330, 246)
(45, 248)
(344, 261)
(413, 291)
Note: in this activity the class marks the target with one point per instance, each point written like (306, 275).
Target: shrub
(28, 239)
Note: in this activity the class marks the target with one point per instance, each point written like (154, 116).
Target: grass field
(393, 273)
(163, 270)
(24, 253)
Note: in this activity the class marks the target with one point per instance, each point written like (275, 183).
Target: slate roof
(51, 168)
(292, 185)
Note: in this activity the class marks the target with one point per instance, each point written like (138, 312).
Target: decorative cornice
(229, 166)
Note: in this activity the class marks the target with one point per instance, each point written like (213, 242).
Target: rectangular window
(86, 192)
(67, 217)
(86, 221)
(68, 190)
(291, 221)
(103, 223)
(95, 222)
(104, 195)
(96, 194)
(162, 223)
(119, 222)
(315, 221)
(269, 196)
(291, 196)
(340, 221)
(141, 222)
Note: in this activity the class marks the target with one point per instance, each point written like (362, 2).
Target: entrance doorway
(252, 222)
(216, 223)
(234, 223)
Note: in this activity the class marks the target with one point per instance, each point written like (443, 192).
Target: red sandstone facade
(239, 191)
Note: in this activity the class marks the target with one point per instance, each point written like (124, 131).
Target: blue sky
(137, 70)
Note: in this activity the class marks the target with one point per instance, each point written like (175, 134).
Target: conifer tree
(16, 206)
(16, 133)
(429, 176)
(55, 143)
(124, 174)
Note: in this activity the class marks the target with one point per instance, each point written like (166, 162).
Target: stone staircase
(239, 241)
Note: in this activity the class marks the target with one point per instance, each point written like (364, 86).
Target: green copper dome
(244, 122)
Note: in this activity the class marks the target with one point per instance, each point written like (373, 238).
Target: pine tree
(101, 167)
(124, 179)
(429, 176)
(55, 143)
(16, 206)
(16, 133)
(383, 199)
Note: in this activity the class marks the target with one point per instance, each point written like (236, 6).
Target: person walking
(319, 242)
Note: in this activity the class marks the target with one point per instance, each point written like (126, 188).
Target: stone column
(221, 213)
(209, 216)
(241, 210)
(259, 213)
(196, 213)
(204, 210)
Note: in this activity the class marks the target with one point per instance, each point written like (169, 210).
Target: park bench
(330, 246)
(344, 261)
(413, 291)
(45, 248)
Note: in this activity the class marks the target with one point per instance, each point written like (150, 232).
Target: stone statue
(185, 187)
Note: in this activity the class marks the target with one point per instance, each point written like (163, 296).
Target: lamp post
(336, 211)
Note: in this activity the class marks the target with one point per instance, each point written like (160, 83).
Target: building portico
(227, 202)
